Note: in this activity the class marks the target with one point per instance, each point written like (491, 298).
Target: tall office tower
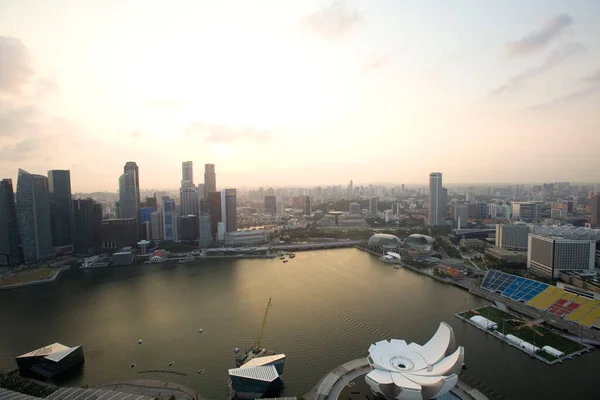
(129, 201)
(435, 194)
(279, 212)
(461, 215)
(87, 217)
(10, 239)
(270, 205)
(229, 209)
(170, 219)
(210, 180)
(151, 202)
(188, 227)
(61, 210)
(595, 220)
(33, 210)
(443, 203)
(205, 234)
(471, 198)
(132, 168)
(202, 204)
(189, 200)
(156, 226)
(373, 206)
(527, 211)
(221, 232)
(187, 173)
(307, 206)
(214, 209)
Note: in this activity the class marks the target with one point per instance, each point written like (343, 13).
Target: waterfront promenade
(162, 390)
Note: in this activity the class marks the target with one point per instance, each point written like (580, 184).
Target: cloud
(166, 103)
(577, 95)
(553, 59)
(216, 133)
(381, 62)
(333, 21)
(15, 66)
(136, 134)
(541, 38)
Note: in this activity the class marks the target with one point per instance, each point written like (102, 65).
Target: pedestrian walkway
(162, 390)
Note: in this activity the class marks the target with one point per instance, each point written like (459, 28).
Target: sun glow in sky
(301, 92)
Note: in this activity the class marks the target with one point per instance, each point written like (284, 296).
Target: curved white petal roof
(411, 371)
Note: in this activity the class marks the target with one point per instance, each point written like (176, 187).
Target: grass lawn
(508, 324)
(28, 276)
(16, 383)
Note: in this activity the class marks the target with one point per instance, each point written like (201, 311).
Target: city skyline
(273, 85)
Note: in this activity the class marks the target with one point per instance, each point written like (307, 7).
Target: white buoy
(140, 341)
(132, 365)
(236, 350)
(200, 330)
(171, 363)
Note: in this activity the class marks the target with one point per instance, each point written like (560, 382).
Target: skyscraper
(210, 179)
(270, 205)
(156, 226)
(373, 206)
(206, 236)
(435, 198)
(33, 210)
(595, 220)
(214, 208)
(132, 168)
(128, 196)
(170, 219)
(61, 210)
(229, 209)
(10, 239)
(187, 173)
(189, 200)
(307, 206)
(87, 217)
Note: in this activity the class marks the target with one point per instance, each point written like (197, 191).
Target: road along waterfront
(328, 307)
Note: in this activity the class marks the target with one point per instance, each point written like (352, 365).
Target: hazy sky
(301, 92)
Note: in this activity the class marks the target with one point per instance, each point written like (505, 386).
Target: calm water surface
(328, 307)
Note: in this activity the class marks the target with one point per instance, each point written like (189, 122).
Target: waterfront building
(229, 209)
(87, 217)
(526, 211)
(245, 238)
(156, 226)
(548, 255)
(595, 219)
(383, 241)
(403, 371)
(117, 233)
(210, 179)
(221, 232)
(170, 219)
(270, 205)
(214, 208)
(435, 199)
(128, 196)
(258, 378)
(373, 206)
(189, 227)
(205, 234)
(50, 361)
(33, 210)
(10, 238)
(307, 206)
(61, 210)
(512, 236)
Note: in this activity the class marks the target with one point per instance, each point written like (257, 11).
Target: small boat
(140, 341)
(285, 261)
(282, 258)
(292, 255)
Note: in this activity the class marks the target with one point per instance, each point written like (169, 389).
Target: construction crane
(262, 328)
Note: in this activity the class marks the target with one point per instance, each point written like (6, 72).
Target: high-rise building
(170, 219)
(210, 179)
(33, 210)
(61, 210)
(548, 255)
(461, 215)
(10, 238)
(150, 202)
(188, 227)
(202, 203)
(595, 220)
(373, 206)
(526, 211)
(307, 206)
(512, 237)
(443, 203)
(132, 168)
(205, 234)
(87, 217)
(156, 226)
(270, 205)
(354, 209)
(280, 209)
(229, 209)
(214, 208)
(189, 200)
(129, 203)
(117, 233)
(187, 173)
(221, 232)
(435, 199)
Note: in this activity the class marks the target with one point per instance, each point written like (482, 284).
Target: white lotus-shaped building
(410, 371)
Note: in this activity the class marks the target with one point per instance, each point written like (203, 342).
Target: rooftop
(568, 232)
(54, 352)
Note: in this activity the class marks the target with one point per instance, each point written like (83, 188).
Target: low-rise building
(506, 256)
(243, 238)
(472, 243)
(50, 361)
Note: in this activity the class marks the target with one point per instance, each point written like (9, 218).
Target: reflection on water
(328, 307)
